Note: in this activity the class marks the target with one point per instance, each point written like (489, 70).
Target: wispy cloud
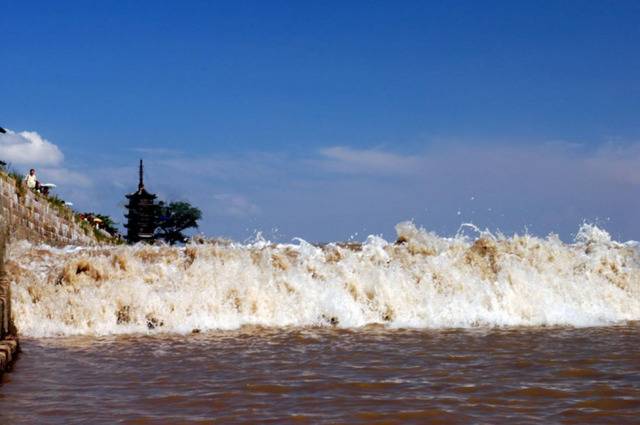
(64, 176)
(337, 191)
(372, 161)
(234, 205)
(241, 167)
(334, 192)
(621, 163)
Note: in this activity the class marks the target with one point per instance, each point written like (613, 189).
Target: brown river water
(330, 376)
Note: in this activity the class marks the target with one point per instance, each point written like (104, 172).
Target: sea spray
(421, 280)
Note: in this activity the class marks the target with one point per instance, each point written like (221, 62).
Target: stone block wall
(8, 340)
(25, 215)
(29, 216)
(5, 289)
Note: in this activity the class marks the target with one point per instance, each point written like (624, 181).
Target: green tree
(174, 218)
(107, 224)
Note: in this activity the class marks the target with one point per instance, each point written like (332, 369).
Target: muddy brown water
(330, 376)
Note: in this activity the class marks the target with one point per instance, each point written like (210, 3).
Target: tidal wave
(421, 281)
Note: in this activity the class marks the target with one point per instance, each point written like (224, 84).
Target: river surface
(327, 375)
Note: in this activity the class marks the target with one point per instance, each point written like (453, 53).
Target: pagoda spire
(141, 183)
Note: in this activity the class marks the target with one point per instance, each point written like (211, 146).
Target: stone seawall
(25, 215)
(30, 216)
(8, 340)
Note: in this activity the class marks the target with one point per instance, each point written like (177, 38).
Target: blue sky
(328, 120)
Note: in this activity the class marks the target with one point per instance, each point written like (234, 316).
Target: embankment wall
(8, 339)
(25, 215)
(30, 216)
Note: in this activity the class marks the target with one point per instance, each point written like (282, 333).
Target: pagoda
(142, 215)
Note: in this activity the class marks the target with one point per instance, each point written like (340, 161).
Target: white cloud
(28, 148)
(348, 160)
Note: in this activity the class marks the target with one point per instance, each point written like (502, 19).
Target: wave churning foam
(421, 281)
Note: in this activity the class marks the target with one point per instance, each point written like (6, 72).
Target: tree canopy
(174, 218)
(106, 223)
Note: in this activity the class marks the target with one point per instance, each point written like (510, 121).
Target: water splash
(420, 280)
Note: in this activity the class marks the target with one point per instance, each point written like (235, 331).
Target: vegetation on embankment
(33, 213)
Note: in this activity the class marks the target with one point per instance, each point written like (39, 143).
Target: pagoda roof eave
(141, 194)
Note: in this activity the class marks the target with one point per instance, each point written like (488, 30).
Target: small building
(142, 213)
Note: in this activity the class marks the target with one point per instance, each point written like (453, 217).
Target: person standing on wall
(32, 180)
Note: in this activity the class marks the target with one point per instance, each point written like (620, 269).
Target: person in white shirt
(31, 180)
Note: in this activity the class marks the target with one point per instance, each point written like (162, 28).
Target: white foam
(425, 282)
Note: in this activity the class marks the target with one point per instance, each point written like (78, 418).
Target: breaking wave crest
(421, 280)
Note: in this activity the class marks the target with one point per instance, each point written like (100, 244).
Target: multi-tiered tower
(142, 215)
